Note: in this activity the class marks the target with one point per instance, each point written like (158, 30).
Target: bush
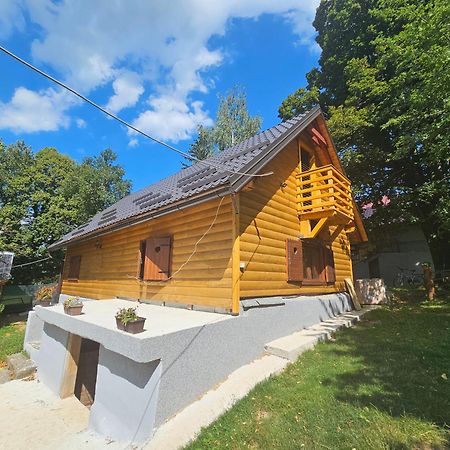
(45, 293)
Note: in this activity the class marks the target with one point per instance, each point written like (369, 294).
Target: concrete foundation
(144, 379)
(51, 359)
(126, 397)
(33, 335)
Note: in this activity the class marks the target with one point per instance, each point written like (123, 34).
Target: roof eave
(182, 204)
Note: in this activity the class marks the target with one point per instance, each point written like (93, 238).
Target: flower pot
(73, 310)
(136, 326)
(44, 303)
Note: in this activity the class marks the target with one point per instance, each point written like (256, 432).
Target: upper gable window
(155, 259)
(305, 161)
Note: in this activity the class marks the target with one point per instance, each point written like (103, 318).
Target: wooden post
(352, 292)
(71, 366)
(2, 283)
(331, 189)
(428, 281)
(236, 257)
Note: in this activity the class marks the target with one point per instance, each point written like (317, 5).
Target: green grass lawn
(12, 332)
(383, 384)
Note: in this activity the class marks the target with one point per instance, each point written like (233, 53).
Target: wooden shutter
(157, 259)
(314, 262)
(141, 260)
(74, 267)
(294, 260)
(329, 265)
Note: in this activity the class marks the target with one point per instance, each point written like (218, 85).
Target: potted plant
(43, 295)
(73, 306)
(127, 320)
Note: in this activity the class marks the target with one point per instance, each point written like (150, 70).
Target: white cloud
(146, 44)
(127, 90)
(301, 22)
(81, 123)
(133, 142)
(11, 17)
(170, 118)
(29, 111)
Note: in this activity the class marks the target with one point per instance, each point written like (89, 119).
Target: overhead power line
(123, 122)
(31, 262)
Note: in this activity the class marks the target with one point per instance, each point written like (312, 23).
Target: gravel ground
(33, 418)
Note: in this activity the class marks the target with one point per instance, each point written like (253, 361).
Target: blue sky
(160, 68)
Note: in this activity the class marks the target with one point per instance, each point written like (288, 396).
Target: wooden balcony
(324, 194)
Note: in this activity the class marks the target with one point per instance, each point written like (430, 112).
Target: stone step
(292, 346)
(5, 376)
(20, 366)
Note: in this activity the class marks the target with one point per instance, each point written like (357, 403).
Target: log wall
(109, 265)
(268, 216)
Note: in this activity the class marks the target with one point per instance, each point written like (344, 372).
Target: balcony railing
(325, 192)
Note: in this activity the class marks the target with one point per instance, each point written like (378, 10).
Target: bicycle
(407, 277)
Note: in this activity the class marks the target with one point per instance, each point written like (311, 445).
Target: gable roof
(216, 175)
(224, 173)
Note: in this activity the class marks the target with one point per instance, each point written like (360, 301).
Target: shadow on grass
(403, 365)
(9, 319)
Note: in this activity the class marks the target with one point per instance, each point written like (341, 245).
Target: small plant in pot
(73, 306)
(127, 320)
(43, 295)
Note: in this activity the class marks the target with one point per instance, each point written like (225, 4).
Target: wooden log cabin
(216, 232)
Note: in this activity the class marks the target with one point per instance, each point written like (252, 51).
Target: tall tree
(233, 125)
(384, 83)
(203, 146)
(99, 183)
(45, 194)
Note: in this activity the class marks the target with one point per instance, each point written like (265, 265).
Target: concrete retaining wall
(133, 398)
(126, 397)
(51, 358)
(33, 335)
(197, 359)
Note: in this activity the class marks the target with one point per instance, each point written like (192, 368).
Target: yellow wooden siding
(111, 270)
(268, 216)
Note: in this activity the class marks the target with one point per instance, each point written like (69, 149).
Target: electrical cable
(194, 251)
(123, 122)
(31, 262)
(198, 242)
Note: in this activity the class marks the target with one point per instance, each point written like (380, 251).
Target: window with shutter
(313, 262)
(309, 261)
(156, 260)
(74, 268)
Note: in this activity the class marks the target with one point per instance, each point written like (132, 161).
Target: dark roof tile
(198, 178)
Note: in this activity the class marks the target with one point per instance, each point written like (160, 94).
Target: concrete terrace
(98, 323)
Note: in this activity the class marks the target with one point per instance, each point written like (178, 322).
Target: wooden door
(87, 372)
